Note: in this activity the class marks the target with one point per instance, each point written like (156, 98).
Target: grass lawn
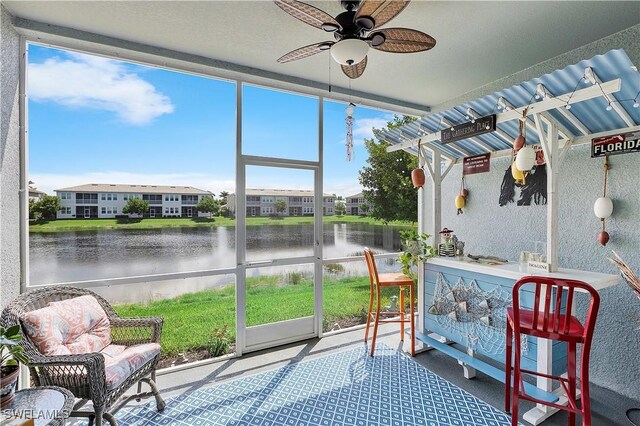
(189, 319)
(61, 225)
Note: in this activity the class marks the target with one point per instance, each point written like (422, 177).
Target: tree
(47, 207)
(341, 207)
(33, 214)
(280, 205)
(387, 179)
(136, 206)
(223, 197)
(364, 208)
(209, 205)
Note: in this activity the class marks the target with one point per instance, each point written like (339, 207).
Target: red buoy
(603, 238)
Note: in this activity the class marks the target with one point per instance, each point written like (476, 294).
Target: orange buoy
(417, 177)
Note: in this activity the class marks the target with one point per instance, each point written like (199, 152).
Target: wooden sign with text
(467, 130)
(476, 164)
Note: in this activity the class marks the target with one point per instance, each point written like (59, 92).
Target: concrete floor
(608, 408)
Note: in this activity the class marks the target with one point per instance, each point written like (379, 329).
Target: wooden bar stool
(546, 321)
(388, 280)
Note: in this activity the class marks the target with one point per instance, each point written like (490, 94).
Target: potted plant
(10, 354)
(416, 250)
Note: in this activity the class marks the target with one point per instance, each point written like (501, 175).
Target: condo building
(354, 204)
(107, 200)
(36, 194)
(262, 202)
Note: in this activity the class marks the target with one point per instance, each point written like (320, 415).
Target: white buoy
(603, 207)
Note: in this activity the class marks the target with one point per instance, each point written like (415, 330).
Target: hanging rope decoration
(603, 206)
(521, 139)
(349, 143)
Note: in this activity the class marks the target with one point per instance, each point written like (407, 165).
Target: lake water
(88, 255)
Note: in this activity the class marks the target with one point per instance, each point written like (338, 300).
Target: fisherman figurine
(446, 249)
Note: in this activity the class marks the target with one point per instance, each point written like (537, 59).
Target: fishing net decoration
(480, 317)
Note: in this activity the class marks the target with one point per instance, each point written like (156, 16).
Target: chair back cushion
(72, 326)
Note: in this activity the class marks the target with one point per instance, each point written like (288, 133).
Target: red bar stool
(388, 280)
(546, 321)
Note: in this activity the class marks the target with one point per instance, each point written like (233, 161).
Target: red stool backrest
(547, 315)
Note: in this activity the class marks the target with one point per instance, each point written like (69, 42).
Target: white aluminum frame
(267, 335)
(207, 72)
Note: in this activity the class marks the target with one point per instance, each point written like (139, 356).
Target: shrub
(219, 341)
(362, 314)
(295, 278)
(334, 268)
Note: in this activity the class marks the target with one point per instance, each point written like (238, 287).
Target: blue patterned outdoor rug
(346, 388)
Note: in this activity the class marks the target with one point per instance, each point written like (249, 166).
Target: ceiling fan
(355, 30)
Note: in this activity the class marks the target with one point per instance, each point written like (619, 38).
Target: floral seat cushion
(122, 361)
(72, 326)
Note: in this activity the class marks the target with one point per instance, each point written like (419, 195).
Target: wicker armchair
(84, 374)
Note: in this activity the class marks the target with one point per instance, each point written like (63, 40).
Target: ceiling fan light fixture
(349, 51)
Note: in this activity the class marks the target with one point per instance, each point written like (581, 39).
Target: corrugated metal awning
(586, 117)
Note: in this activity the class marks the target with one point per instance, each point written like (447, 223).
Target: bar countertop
(515, 271)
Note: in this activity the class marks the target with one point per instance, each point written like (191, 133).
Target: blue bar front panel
(470, 309)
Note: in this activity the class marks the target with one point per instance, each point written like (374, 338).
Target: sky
(99, 120)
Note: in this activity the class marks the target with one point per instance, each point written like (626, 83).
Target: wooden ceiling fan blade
(354, 71)
(304, 52)
(308, 14)
(381, 11)
(404, 40)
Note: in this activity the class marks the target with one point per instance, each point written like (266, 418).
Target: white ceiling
(477, 42)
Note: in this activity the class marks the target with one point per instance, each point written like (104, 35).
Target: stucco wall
(488, 228)
(9, 160)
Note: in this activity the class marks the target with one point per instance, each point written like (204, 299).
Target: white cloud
(85, 81)
(363, 128)
(49, 182)
(343, 187)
